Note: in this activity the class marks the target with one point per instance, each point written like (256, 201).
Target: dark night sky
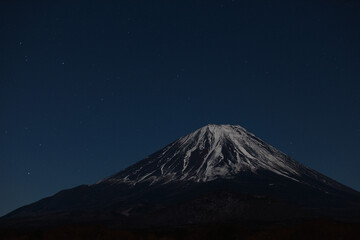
(89, 87)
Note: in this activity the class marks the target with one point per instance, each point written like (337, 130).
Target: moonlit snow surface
(213, 152)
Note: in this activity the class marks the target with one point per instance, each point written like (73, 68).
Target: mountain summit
(211, 152)
(216, 165)
(216, 152)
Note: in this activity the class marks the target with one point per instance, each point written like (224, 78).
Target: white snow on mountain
(212, 152)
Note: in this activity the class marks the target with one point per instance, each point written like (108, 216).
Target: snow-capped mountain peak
(209, 153)
(214, 157)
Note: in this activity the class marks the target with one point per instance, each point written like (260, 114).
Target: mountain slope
(214, 158)
(213, 152)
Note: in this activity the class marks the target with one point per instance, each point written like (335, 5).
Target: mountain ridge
(212, 158)
(230, 150)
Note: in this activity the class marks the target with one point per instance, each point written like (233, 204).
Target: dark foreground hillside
(310, 229)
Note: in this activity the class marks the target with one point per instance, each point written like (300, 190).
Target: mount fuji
(216, 173)
(217, 152)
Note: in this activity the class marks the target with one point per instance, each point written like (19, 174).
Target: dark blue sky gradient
(88, 88)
